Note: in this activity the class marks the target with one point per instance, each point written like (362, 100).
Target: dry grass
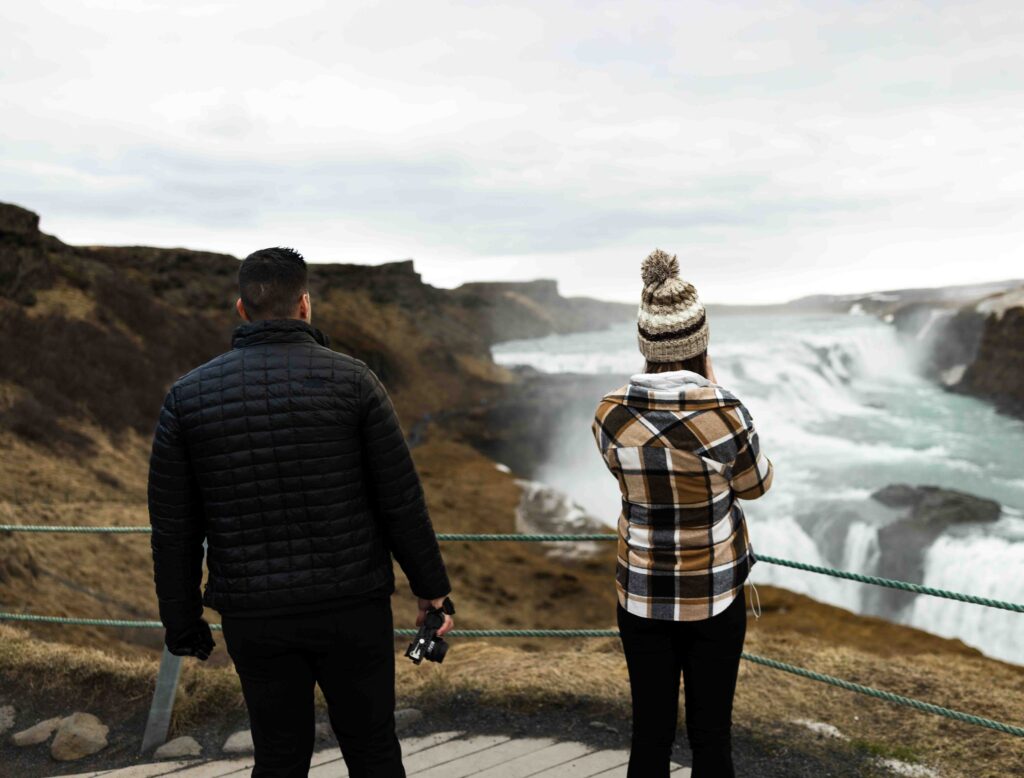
(593, 676)
(64, 300)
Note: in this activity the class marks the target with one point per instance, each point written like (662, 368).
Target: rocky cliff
(94, 335)
(533, 309)
(91, 337)
(997, 371)
(976, 348)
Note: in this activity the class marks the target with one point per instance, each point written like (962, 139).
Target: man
(287, 459)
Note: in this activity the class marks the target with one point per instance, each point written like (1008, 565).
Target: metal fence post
(159, 721)
(160, 709)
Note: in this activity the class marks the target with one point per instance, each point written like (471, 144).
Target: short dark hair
(271, 281)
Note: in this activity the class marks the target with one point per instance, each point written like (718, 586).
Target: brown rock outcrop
(903, 545)
(532, 309)
(997, 372)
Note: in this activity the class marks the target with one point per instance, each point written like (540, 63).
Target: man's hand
(424, 605)
(195, 640)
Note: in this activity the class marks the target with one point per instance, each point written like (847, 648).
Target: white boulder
(239, 743)
(37, 733)
(79, 735)
(177, 748)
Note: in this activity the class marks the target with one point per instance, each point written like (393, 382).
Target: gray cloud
(787, 148)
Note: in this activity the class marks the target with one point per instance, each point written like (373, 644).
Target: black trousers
(350, 654)
(707, 654)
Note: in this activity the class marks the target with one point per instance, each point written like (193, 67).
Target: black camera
(427, 645)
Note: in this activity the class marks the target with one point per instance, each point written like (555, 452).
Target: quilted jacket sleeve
(752, 471)
(176, 516)
(397, 495)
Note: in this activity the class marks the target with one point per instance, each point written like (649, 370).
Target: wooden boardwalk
(443, 754)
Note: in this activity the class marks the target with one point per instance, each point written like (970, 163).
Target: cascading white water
(842, 411)
(985, 566)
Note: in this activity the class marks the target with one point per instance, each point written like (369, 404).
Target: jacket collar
(277, 331)
(679, 390)
(674, 380)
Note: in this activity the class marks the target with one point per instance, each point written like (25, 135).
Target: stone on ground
(239, 743)
(6, 718)
(821, 728)
(80, 734)
(406, 716)
(179, 747)
(907, 769)
(37, 733)
(323, 731)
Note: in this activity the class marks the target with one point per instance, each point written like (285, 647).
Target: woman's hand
(449, 622)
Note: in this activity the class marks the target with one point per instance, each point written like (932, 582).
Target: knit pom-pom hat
(671, 323)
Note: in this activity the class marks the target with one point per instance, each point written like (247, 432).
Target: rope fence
(898, 699)
(889, 583)
(802, 672)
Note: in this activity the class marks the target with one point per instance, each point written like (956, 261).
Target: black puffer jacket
(287, 458)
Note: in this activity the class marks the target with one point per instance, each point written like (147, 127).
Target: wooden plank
(474, 763)
(541, 759)
(437, 755)
(449, 752)
(329, 764)
(594, 763)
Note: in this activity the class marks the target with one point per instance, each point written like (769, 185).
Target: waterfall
(985, 566)
(842, 411)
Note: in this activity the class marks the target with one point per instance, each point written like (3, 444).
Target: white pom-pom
(658, 267)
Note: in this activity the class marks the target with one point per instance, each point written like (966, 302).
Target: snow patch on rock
(1001, 303)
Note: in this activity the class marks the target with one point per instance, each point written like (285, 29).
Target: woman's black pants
(707, 654)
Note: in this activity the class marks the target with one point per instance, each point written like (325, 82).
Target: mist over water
(841, 411)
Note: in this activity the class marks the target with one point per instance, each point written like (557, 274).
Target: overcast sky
(780, 149)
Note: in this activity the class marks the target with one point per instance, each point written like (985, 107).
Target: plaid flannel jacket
(683, 449)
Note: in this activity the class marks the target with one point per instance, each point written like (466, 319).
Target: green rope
(85, 622)
(131, 622)
(869, 691)
(899, 699)
(893, 584)
(534, 538)
(889, 583)
(77, 530)
(524, 633)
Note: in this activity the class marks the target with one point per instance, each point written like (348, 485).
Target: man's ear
(241, 309)
(305, 308)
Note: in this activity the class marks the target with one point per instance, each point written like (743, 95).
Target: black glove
(195, 640)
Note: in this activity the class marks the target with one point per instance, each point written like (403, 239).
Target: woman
(683, 449)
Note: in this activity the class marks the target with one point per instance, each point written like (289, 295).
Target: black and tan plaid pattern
(681, 456)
